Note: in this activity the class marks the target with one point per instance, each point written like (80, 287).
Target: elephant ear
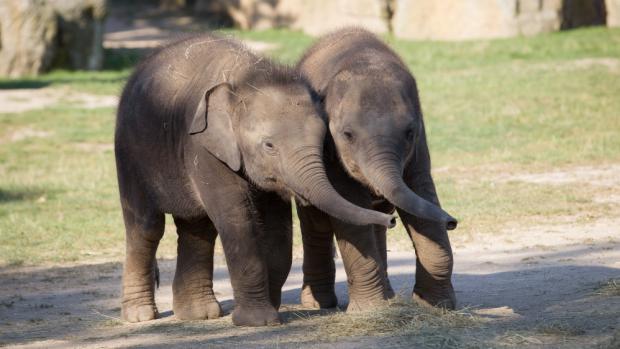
(213, 123)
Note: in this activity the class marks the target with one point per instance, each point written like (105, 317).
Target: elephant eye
(269, 147)
(410, 134)
(348, 135)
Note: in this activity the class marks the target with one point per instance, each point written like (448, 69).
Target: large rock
(613, 13)
(36, 35)
(319, 16)
(244, 14)
(81, 33)
(27, 32)
(313, 17)
(455, 19)
(475, 19)
(536, 16)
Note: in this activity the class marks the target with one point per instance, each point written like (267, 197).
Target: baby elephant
(220, 139)
(380, 160)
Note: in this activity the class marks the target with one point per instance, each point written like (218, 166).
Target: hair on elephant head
(269, 125)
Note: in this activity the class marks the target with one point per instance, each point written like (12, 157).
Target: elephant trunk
(386, 177)
(308, 180)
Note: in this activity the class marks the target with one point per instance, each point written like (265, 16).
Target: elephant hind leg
(144, 229)
(192, 288)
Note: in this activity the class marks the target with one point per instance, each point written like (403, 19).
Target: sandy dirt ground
(535, 286)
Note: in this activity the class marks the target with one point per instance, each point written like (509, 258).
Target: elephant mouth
(302, 201)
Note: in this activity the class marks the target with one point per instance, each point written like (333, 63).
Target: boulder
(538, 16)
(613, 13)
(27, 37)
(313, 17)
(455, 19)
(480, 19)
(320, 16)
(36, 35)
(244, 14)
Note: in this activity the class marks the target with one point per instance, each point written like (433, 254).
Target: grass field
(492, 109)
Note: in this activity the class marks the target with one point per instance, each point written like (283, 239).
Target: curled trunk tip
(310, 181)
(387, 179)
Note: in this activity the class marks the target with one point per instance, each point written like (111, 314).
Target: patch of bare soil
(23, 133)
(21, 100)
(601, 175)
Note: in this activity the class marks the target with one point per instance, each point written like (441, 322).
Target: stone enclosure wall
(36, 35)
(421, 19)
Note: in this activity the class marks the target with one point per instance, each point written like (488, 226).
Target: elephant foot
(275, 297)
(389, 291)
(139, 313)
(314, 298)
(441, 295)
(264, 316)
(197, 309)
(362, 304)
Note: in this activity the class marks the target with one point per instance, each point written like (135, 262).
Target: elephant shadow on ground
(82, 303)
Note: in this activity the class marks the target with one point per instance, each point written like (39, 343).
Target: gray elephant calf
(220, 139)
(379, 159)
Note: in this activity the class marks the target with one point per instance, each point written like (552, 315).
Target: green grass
(513, 105)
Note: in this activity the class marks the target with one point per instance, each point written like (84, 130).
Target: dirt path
(534, 287)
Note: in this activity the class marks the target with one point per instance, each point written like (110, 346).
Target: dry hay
(399, 318)
(610, 288)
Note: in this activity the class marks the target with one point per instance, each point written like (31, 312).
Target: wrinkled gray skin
(379, 159)
(220, 139)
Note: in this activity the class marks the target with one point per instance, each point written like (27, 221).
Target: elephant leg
(384, 206)
(381, 238)
(276, 240)
(433, 278)
(248, 276)
(192, 288)
(363, 265)
(318, 266)
(228, 201)
(144, 228)
(434, 261)
(233, 214)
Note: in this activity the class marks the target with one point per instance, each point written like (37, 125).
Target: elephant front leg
(434, 262)
(144, 229)
(276, 241)
(318, 266)
(192, 289)
(381, 238)
(363, 265)
(249, 278)
(240, 232)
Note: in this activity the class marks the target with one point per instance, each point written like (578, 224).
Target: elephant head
(274, 132)
(376, 122)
